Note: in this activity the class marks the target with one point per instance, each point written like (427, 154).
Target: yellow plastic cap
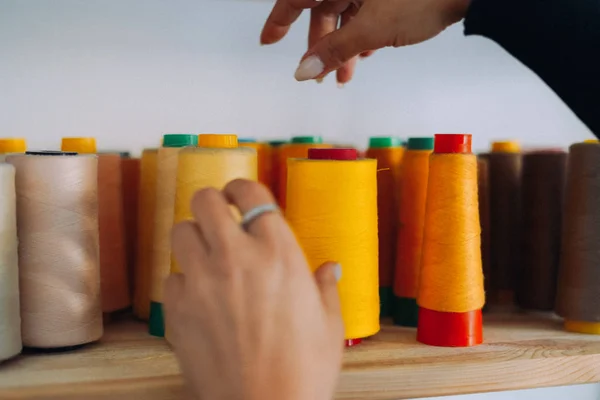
(82, 145)
(591, 141)
(589, 328)
(506, 147)
(217, 140)
(13, 145)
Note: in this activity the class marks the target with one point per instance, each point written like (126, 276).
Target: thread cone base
(450, 329)
(156, 321)
(386, 300)
(406, 312)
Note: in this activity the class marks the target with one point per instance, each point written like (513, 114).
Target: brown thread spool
(505, 187)
(57, 213)
(578, 295)
(484, 216)
(130, 176)
(113, 271)
(543, 181)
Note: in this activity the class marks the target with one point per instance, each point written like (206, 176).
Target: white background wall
(129, 71)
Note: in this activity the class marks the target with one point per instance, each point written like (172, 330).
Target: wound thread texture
(413, 198)
(57, 210)
(130, 176)
(483, 179)
(10, 317)
(113, 257)
(578, 297)
(200, 168)
(332, 210)
(389, 160)
(263, 154)
(543, 182)
(146, 207)
(505, 204)
(451, 272)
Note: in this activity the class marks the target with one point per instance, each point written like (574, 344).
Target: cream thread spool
(160, 261)
(10, 317)
(59, 274)
(332, 209)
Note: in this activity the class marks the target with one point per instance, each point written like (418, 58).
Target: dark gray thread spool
(543, 181)
(578, 296)
(505, 188)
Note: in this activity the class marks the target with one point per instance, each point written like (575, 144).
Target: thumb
(334, 50)
(327, 277)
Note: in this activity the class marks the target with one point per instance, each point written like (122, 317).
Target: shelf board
(520, 351)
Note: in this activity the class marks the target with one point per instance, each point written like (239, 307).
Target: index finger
(283, 15)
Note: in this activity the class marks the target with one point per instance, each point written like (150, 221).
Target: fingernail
(320, 80)
(337, 272)
(309, 68)
(340, 85)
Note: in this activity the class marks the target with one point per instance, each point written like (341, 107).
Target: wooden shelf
(520, 352)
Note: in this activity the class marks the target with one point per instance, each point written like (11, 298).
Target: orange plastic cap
(213, 140)
(509, 146)
(13, 145)
(452, 143)
(82, 145)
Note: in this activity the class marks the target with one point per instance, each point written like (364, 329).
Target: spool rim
(307, 140)
(336, 153)
(84, 145)
(246, 140)
(214, 140)
(179, 140)
(51, 153)
(447, 329)
(420, 143)
(506, 146)
(13, 145)
(453, 143)
(277, 143)
(381, 142)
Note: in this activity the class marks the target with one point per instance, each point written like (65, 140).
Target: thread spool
(146, 227)
(483, 183)
(10, 318)
(202, 167)
(298, 148)
(59, 273)
(388, 152)
(451, 293)
(578, 295)
(275, 165)
(543, 181)
(505, 222)
(161, 217)
(413, 196)
(326, 193)
(111, 224)
(263, 153)
(11, 146)
(130, 176)
(81, 145)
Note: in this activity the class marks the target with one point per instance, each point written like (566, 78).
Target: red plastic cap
(352, 342)
(446, 329)
(452, 143)
(333, 154)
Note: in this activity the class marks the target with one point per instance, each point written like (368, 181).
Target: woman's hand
(246, 318)
(365, 25)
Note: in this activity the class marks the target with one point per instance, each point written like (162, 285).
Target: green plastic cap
(406, 312)
(386, 300)
(180, 140)
(307, 139)
(384, 141)
(246, 140)
(277, 143)
(156, 325)
(420, 143)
